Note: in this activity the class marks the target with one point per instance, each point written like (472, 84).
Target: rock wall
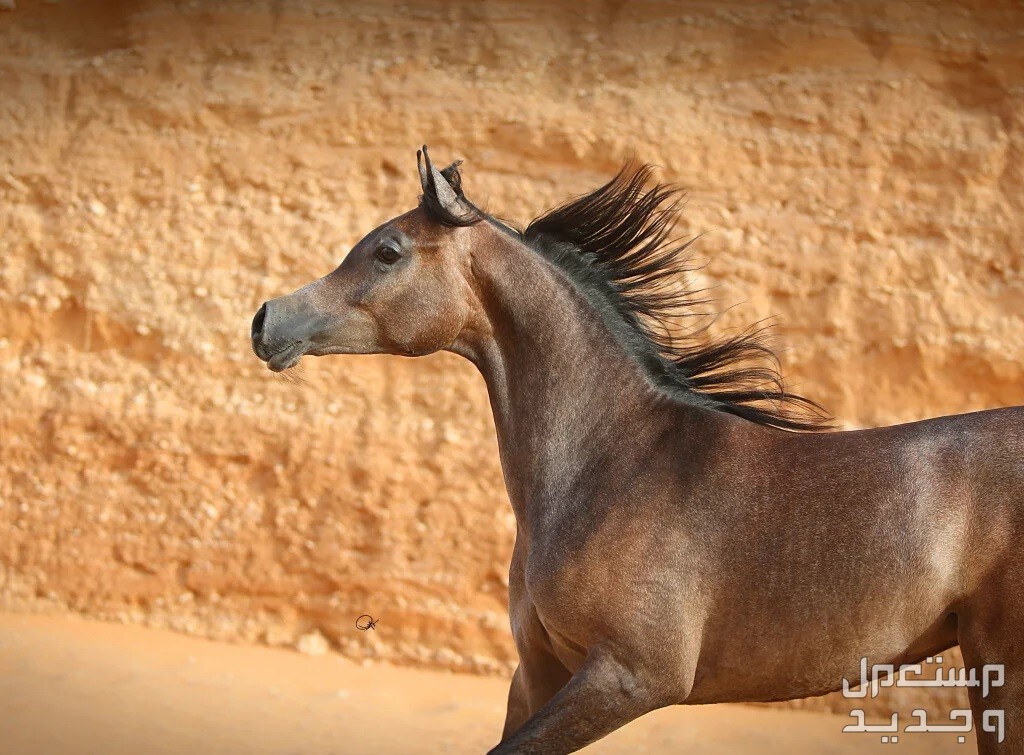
(165, 167)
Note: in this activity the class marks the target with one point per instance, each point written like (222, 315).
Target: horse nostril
(257, 322)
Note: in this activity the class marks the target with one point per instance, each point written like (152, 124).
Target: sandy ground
(73, 686)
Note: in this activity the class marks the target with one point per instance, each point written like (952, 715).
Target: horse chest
(559, 623)
(558, 584)
(549, 579)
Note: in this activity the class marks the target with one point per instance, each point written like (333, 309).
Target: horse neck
(564, 392)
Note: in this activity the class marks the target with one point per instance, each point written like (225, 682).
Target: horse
(687, 530)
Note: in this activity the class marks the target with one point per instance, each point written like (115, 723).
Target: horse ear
(453, 177)
(443, 185)
(424, 175)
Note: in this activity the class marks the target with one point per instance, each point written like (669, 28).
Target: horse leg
(991, 631)
(599, 698)
(537, 678)
(518, 709)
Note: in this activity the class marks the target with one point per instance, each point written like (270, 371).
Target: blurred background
(857, 168)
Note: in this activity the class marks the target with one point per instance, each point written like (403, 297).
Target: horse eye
(387, 255)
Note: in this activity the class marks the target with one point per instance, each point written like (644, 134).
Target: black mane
(616, 244)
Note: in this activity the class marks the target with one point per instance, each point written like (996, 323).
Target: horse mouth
(287, 357)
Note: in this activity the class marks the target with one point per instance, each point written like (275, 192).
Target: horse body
(669, 549)
(828, 565)
(830, 547)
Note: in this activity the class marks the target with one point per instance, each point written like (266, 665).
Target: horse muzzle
(275, 338)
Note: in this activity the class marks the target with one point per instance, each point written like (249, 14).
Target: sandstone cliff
(165, 167)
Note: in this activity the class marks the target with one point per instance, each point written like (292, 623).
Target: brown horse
(683, 536)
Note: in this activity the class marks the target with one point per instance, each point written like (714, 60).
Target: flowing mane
(615, 243)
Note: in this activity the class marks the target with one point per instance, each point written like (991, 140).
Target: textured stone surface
(165, 167)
